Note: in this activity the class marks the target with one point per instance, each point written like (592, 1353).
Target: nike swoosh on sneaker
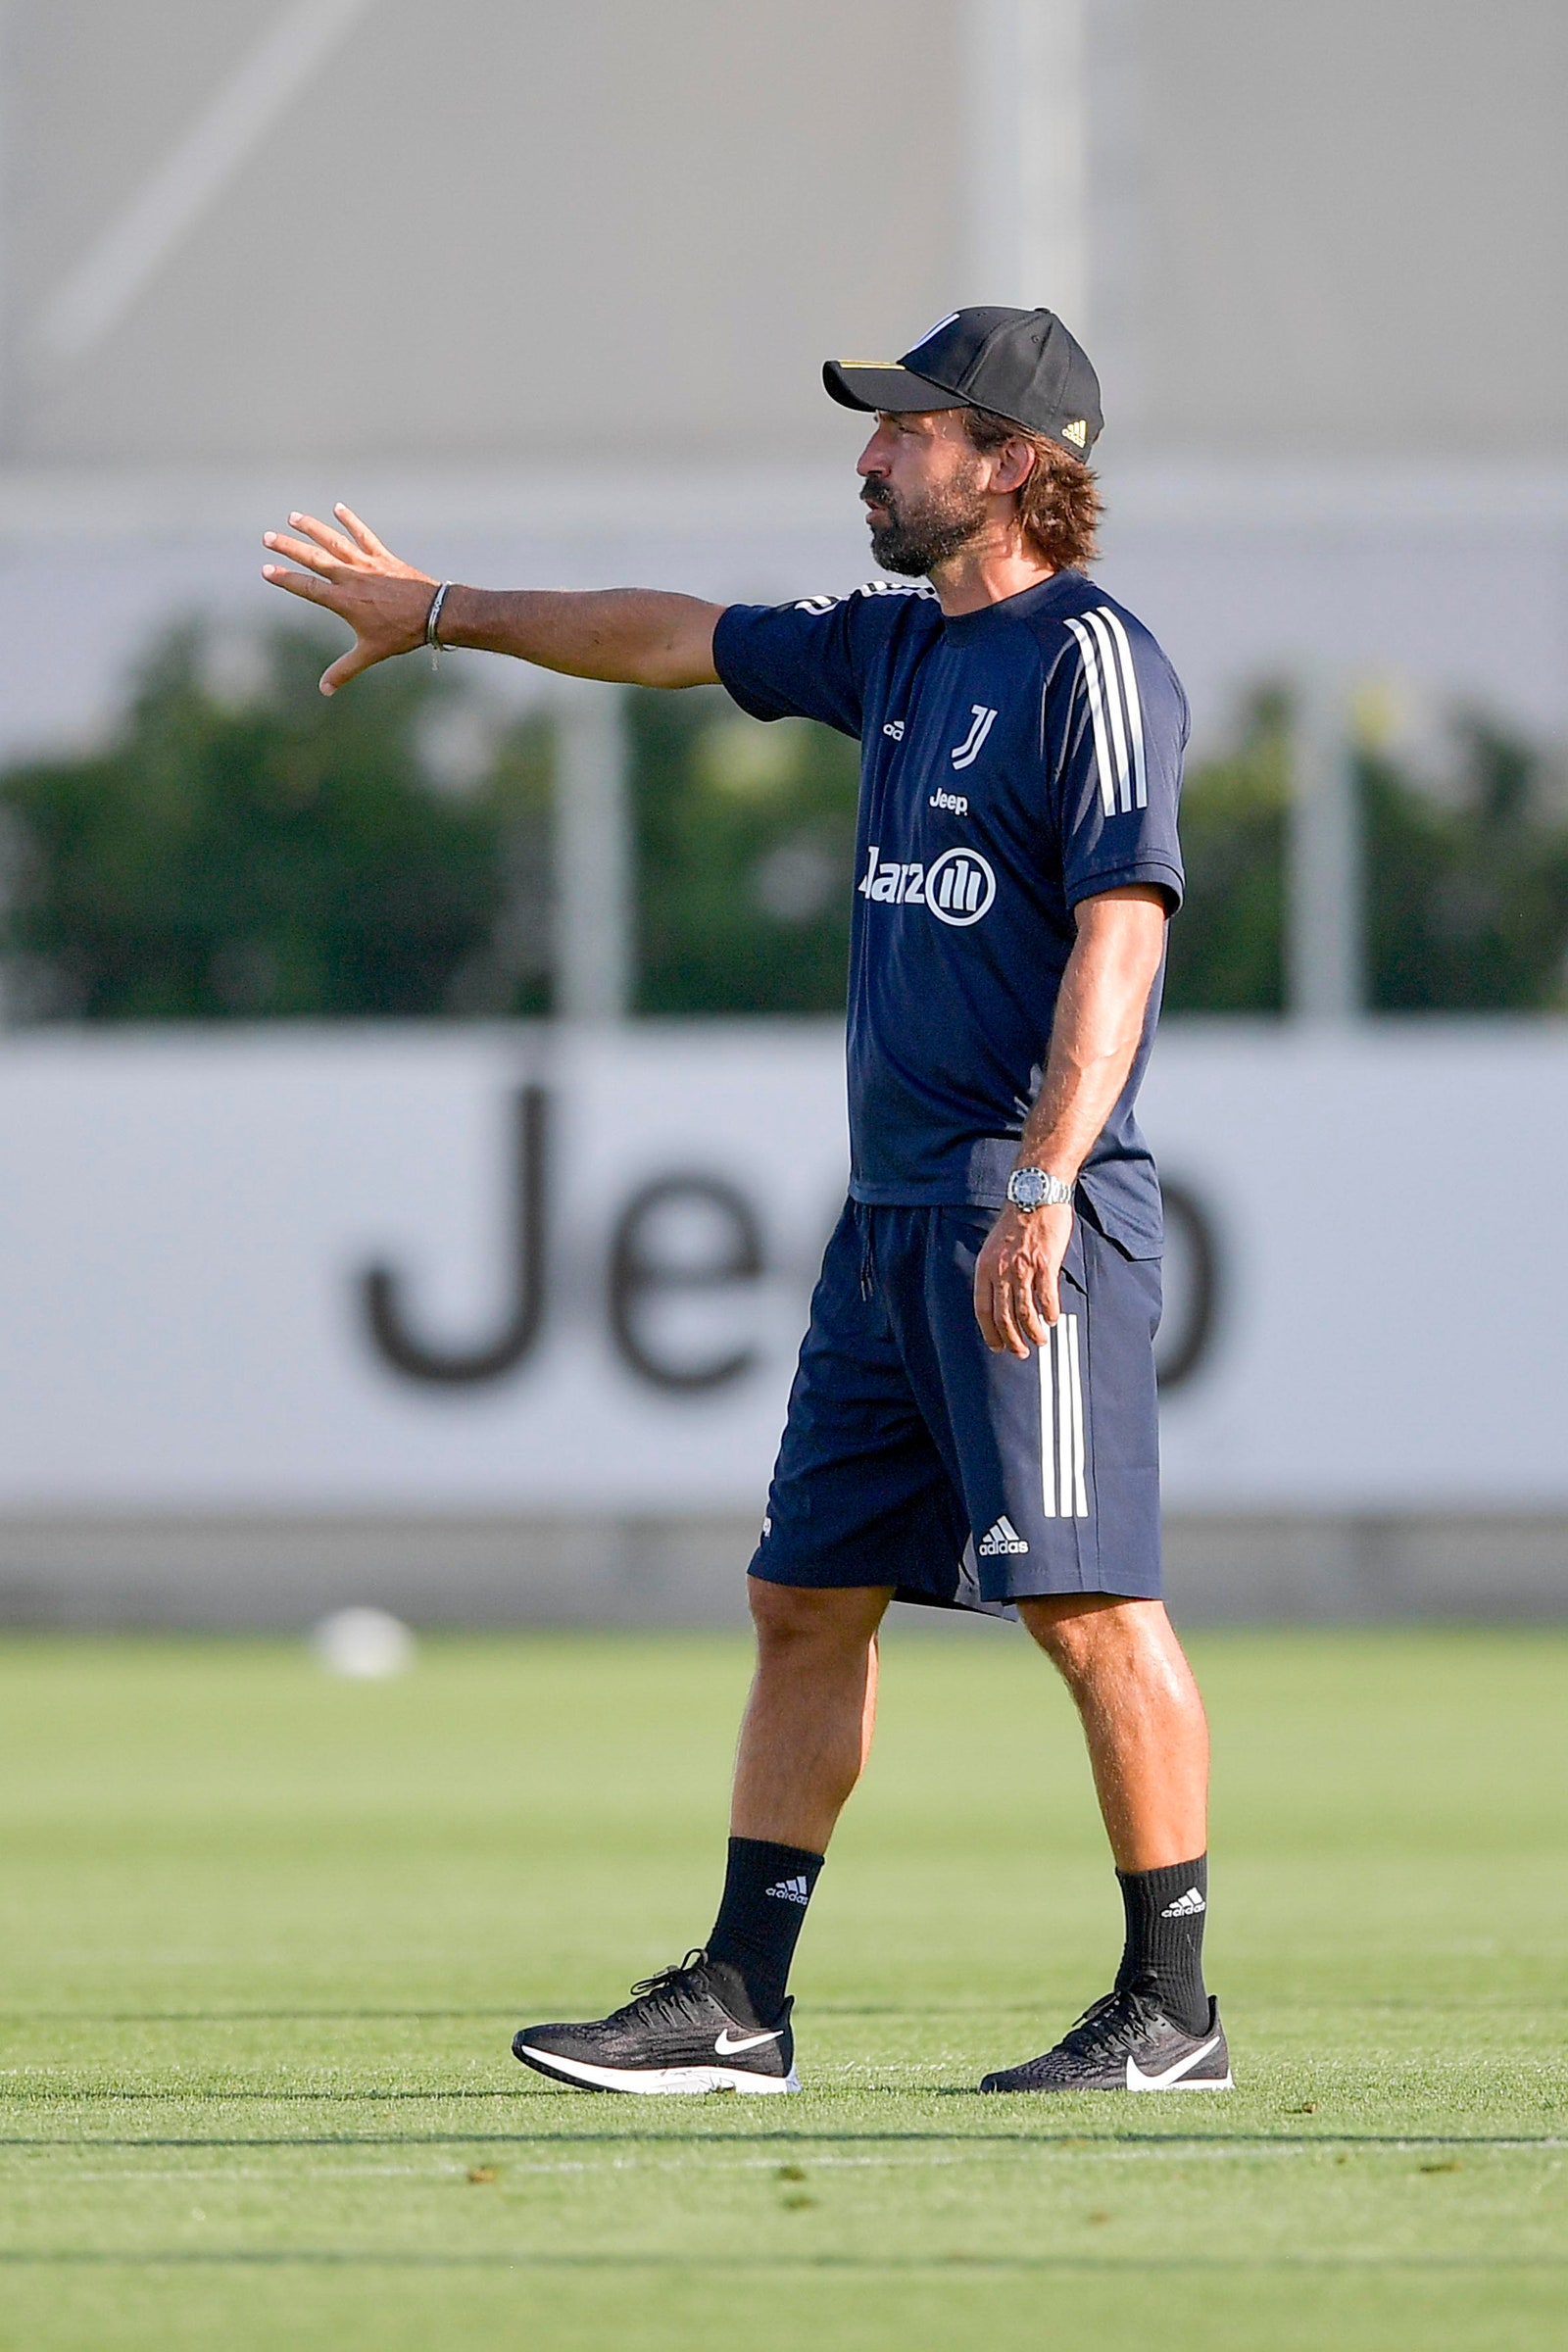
(728, 2048)
(1136, 2080)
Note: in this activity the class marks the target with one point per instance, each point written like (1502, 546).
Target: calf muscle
(808, 1726)
(1143, 1719)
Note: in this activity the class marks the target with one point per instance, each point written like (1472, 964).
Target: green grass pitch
(265, 1937)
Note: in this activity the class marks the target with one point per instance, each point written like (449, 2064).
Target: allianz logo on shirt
(957, 888)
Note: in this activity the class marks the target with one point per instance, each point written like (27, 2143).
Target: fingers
(359, 658)
(983, 1314)
(1045, 1300)
(298, 583)
(1006, 1301)
(996, 1310)
(302, 550)
(347, 665)
(323, 532)
(1033, 1318)
(363, 533)
(1016, 1296)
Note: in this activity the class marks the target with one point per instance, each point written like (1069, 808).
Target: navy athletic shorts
(915, 1457)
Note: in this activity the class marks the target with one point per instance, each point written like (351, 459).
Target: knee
(794, 1620)
(1067, 1646)
(1079, 1634)
(1097, 1638)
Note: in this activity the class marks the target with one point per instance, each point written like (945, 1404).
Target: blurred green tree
(245, 849)
(1468, 904)
(1227, 946)
(1467, 877)
(746, 858)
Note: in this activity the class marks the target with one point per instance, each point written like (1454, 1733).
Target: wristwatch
(1037, 1188)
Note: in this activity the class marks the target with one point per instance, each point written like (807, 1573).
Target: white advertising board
(509, 1270)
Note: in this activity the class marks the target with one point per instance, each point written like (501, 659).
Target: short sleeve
(1117, 710)
(793, 660)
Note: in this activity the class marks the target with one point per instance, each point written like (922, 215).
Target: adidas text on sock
(766, 1888)
(1163, 1954)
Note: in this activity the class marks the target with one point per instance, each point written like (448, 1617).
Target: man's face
(923, 488)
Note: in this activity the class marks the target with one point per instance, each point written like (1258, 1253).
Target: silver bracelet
(432, 622)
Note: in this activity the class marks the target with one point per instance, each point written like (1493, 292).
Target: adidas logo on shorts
(1003, 1537)
(1185, 1905)
(790, 1890)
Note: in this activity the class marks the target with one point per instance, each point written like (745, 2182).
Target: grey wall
(1355, 226)
(483, 229)
(500, 230)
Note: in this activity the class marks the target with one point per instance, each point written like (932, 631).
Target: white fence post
(593, 881)
(1325, 947)
(1027, 137)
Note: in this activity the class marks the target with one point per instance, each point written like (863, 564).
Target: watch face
(1027, 1188)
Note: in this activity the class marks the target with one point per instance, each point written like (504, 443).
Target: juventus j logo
(966, 752)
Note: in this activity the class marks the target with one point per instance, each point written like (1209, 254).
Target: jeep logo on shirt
(957, 888)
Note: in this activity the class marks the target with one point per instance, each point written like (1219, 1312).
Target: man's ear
(1014, 462)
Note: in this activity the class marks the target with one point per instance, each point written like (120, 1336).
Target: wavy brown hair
(1059, 506)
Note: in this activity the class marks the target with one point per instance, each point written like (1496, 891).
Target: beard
(916, 536)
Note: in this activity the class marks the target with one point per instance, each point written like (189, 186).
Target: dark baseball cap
(1021, 365)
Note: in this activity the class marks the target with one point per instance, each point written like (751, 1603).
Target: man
(973, 1419)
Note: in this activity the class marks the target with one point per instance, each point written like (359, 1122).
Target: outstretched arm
(1097, 1028)
(630, 636)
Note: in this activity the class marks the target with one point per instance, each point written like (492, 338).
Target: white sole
(679, 2082)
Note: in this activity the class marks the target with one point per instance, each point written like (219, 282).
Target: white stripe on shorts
(1064, 1484)
(1047, 1430)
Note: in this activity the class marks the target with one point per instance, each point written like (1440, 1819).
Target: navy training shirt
(1014, 761)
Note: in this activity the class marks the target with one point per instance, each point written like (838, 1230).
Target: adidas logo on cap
(1003, 1537)
(790, 1890)
(1185, 1905)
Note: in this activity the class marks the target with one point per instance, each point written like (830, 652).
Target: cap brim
(873, 384)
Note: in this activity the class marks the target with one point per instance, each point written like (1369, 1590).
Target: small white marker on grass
(367, 1646)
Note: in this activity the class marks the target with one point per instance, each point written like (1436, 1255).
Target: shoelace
(668, 1978)
(1111, 2023)
(666, 1990)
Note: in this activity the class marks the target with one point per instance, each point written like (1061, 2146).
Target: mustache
(876, 490)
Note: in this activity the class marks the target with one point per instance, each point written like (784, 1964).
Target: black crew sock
(1163, 1955)
(766, 1888)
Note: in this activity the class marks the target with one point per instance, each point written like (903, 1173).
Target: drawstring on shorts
(863, 1218)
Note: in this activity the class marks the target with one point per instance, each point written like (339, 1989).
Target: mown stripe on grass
(321, 2256)
(1241, 2144)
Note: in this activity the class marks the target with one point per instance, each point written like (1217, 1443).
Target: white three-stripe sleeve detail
(1080, 1496)
(1048, 1431)
(1111, 672)
(1097, 712)
(1135, 708)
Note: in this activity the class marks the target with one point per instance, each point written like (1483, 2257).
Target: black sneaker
(688, 2029)
(1125, 2043)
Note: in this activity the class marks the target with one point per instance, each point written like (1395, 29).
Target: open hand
(386, 603)
(1016, 1276)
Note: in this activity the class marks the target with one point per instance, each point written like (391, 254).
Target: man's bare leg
(804, 1740)
(1142, 1719)
(1148, 1747)
(806, 1730)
